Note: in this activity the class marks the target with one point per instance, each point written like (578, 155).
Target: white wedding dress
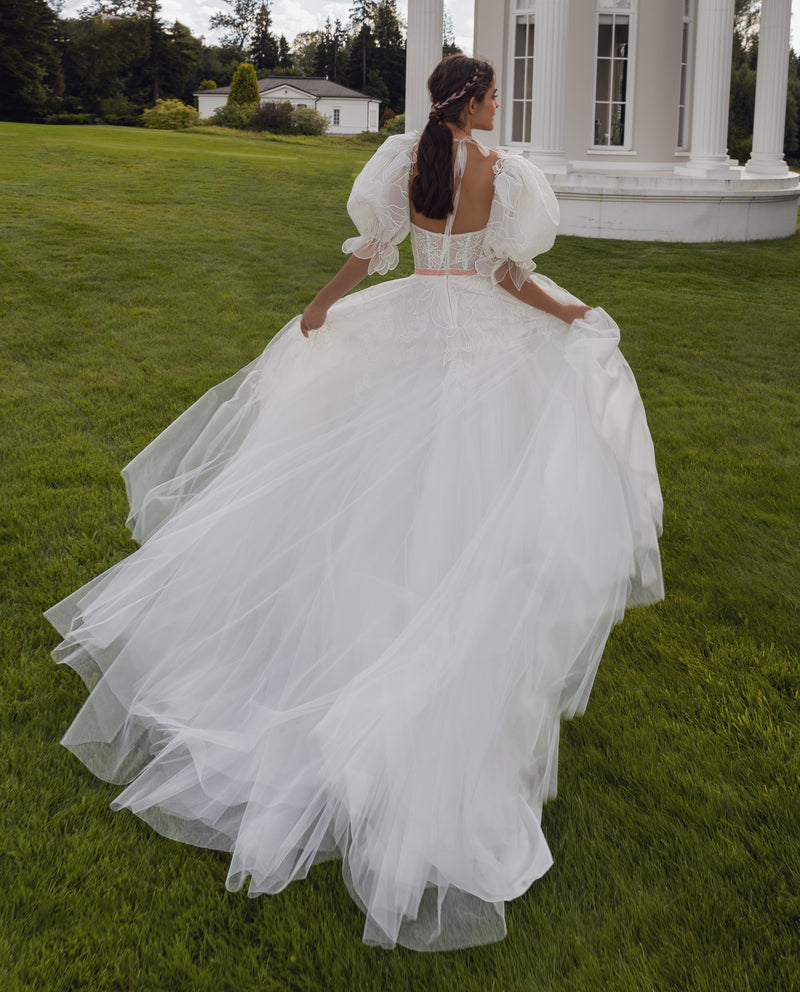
(377, 567)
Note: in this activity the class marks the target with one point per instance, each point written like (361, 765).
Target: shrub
(397, 125)
(120, 110)
(207, 84)
(275, 117)
(244, 88)
(306, 120)
(386, 116)
(170, 115)
(236, 115)
(70, 119)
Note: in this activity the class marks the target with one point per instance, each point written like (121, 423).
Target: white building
(349, 112)
(624, 105)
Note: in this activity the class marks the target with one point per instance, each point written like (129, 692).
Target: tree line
(117, 57)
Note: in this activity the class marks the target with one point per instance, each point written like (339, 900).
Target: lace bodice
(522, 222)
(430, 249)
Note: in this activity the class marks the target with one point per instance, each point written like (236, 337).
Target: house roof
(314, 86)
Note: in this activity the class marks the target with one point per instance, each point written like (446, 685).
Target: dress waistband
(442, 272)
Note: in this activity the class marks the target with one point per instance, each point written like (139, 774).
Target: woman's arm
(348, 277)
(535, 296)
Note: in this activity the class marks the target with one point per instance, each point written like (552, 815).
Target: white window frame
(684, 136)
(616, 8)
(518, 8)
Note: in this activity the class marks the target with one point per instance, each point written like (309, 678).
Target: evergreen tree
(30, 71)
(284, 54)
(390, 54)
(362, 12)
(244, 88)
(264, 46)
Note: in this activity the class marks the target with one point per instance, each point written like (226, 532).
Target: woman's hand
(574, 311)
(313, 317)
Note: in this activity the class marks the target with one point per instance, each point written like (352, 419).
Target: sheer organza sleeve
(522, 223)
(378, 204)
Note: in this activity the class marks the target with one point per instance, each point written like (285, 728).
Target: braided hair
(452, 84)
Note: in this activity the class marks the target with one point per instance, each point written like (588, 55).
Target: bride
(380, 564)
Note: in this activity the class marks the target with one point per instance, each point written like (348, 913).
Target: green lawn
(138, 268)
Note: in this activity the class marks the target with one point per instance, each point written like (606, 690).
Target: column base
(767, 165)
(722, 168)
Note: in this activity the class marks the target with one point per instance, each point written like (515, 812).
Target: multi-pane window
(336, 116)
(522, 78)
(611, 80)
(683, 107)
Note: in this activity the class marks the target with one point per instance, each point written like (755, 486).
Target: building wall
(355, 115)
(208, 103)
(653, 82)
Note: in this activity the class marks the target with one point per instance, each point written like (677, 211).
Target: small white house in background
(624, 106)
(349, 111)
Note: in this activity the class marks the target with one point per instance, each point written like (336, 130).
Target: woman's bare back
(475, 200)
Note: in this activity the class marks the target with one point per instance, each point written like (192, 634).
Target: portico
(624, 106)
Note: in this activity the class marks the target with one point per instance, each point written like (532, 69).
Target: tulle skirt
(376, 569)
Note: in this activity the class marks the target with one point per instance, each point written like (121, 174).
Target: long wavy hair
(452, 84)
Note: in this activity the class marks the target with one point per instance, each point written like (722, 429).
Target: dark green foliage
(244, 88)
(69, 119)
(263, 46)
(284, 53)
(30, 71)
(275, 117)
(235, 115)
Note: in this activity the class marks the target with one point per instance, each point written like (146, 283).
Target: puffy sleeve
(522, 223)
(378, 204)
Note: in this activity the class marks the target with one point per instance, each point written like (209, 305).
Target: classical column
(712, 81)
(549, 85)
(424, 40)
(771, 82)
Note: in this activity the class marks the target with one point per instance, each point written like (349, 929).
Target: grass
(137, 269)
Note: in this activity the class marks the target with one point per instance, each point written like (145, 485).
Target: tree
(244, 88)
(390, 53)
(304, 51)
(330, 58)
(264, 47)
(284, 55)
(30, 71)
(449, 46)
(239, 25)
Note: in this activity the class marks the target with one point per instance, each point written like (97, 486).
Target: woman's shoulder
(516, 165)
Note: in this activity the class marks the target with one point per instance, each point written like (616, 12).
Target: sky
(290, 17)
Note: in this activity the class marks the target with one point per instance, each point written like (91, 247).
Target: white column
(771, 83)
(711, 97)
(549, 85)
(424, 39)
